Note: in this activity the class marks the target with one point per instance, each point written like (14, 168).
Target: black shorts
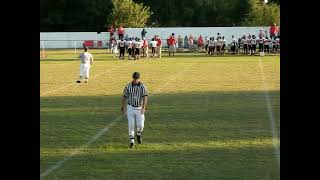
(130, 51)
(122, 50)
(223, 46)
(245, 46)
(233, 48)
(137, 51)
(253, 47)
(218, 48)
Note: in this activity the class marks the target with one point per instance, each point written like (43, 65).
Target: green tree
(129, 14)
(262, 14)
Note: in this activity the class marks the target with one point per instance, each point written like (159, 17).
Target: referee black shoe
(78, 81)
(139, 139)
(131, 145)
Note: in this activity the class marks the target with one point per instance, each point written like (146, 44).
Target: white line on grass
(275, 138)
(78, 150)
(95, 137)
(74, 82)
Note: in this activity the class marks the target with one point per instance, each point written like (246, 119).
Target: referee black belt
(134, 105)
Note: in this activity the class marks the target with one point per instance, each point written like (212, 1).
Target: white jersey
(253, 41)
(267, 42)
(224, 41)
(234, 41)
(277, 41)
(211, 43)
(215, 42)
(260, 41)
(219, 42)
(246, 41)
(121, 43)
(129, 44)
(85, 57)
(249, 41)
(154, 43)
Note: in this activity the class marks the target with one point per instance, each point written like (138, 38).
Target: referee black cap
(136, 75)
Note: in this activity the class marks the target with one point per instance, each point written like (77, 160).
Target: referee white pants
(84, 70)
(134, 117)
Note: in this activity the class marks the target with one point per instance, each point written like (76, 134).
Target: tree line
(97, 15)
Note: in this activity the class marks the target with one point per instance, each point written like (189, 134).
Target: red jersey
(171, 41)
(159, 42)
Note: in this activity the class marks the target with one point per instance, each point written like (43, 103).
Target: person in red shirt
(200, 41)
(172, 44)
(145, 47)
(120, 32)
(159, 45)
(274, 29)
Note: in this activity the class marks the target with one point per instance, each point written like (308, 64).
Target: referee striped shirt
(134, 93)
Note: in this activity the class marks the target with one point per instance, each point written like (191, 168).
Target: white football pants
(84, 70)
(134, 117)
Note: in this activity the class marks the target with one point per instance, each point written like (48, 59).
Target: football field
(207, 118)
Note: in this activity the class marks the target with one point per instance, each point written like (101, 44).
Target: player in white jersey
(249, 43)
(136, 46)
(260, 42)
(215, 42)
(114, 47)
(153, 47)
(86, 60)
(267, 45)
(253, 45)
(206, 43)
(129, 50)
(245, 45)
(233, 45)
(223, 41)
(122, 48)
(218, 45)
(274, 44)
(211, 46)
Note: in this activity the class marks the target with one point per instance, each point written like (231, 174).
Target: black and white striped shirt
(134, 93)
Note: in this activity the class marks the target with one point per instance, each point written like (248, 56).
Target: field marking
(275, 138)
(76, 151)
(75, 83)
(100, 133)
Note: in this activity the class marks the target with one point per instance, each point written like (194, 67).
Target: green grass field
(207, 118)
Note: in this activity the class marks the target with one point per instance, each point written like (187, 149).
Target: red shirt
(120, 30)
(200, 41)
(273, 29)
(145, 43)
(159, 42)
(171, 41)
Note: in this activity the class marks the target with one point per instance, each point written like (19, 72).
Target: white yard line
(275, 138)
(99, 134)
(63, 87)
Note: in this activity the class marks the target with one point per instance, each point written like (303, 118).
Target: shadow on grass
(170, 118)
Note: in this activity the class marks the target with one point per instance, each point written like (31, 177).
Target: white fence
(75, 39)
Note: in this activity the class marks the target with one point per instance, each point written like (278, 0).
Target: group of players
(215, 46)
(135, 47)
(249, 44)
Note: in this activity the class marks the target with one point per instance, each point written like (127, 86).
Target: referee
(135, 93)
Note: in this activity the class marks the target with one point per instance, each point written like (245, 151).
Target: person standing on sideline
(253, 45)
(224, 42)
(190, 41)
(86, 60)
(145, 48)
(120, 32)
(273, 31)
(180, 41)
(122, 48)
(233, 45)
(172, 44)
(200, 42)
(159, 45)
(153, 47)
(129, 44)
(135, 95)
(143, 33)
